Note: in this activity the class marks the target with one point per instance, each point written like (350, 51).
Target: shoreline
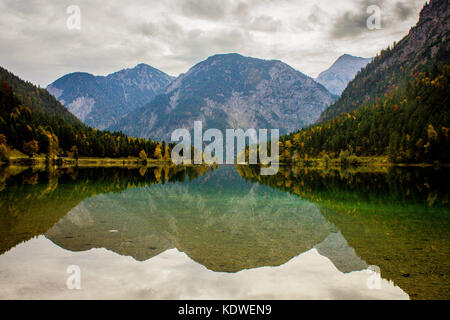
(314, 163)
(369, 162)
(84, 162)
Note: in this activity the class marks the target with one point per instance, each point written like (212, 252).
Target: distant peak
(74, 76)
(349, 56)
(222, 56)
(142, 65)
(237, 57)
(219, 55)
(79, 73)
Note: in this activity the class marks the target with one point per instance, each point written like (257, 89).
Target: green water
(226, 220)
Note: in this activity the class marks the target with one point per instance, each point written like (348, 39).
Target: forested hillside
(396, 65)
(36, 98)
(410, 126)
(401, 111)
(33, 122)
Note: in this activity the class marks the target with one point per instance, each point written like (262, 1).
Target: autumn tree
(167, 154)
(4, 153)
(143, 156)
(4, 150)
(74, 151)
(158, 153)
(31, 148)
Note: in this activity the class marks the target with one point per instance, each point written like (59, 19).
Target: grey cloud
(205, 9)
(404, 10)
(241, 11)
(28, 8)
(224, 10)
(317, 16)
(168, 35)
(166, 27)
(189, 46)
(350, 24)
(147, 29)
(353, 23)
(265, 23)
(197, 45)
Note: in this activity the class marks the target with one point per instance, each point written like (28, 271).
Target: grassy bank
(354, 161)
(19, 159)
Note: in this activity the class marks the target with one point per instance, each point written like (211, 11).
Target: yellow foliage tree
(31, 147)
(158, 153)
(143, 155)
(288, 144)
(157, 172)
(167, 154)
(432, 134)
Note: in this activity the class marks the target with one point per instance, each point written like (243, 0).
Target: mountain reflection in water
(224, 233)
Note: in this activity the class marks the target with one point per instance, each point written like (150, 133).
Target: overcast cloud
(173, 35)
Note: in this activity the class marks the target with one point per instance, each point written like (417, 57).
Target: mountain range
(231, 91)
(336, 78)
(100, 101)
(224, 91)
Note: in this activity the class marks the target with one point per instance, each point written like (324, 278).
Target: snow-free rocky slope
(336, 78)
(231, 91)
(101, 101)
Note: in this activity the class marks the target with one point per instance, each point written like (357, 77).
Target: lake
(224, 233)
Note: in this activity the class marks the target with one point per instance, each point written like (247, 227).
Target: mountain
(101, 101)
(231, 91)
(396, 107)
(232, 238)
(35, 98)
(34, 122)
(336, 78)
(393, 67)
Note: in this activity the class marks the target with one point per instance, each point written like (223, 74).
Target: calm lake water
(225, 233)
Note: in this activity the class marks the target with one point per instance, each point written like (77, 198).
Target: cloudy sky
(173, 35)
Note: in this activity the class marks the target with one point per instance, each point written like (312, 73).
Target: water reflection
(228, 225)
(173, 275)
(397, 219)
(33, 200)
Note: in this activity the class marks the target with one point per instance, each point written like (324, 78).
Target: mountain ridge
(393, 66)
(32, 121)
(99, 101)
(36, 98)
(397, 107)
(343, 70)
(231, 91)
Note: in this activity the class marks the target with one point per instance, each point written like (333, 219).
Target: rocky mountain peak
(336, 78)
(231, 91)
(100, 101)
